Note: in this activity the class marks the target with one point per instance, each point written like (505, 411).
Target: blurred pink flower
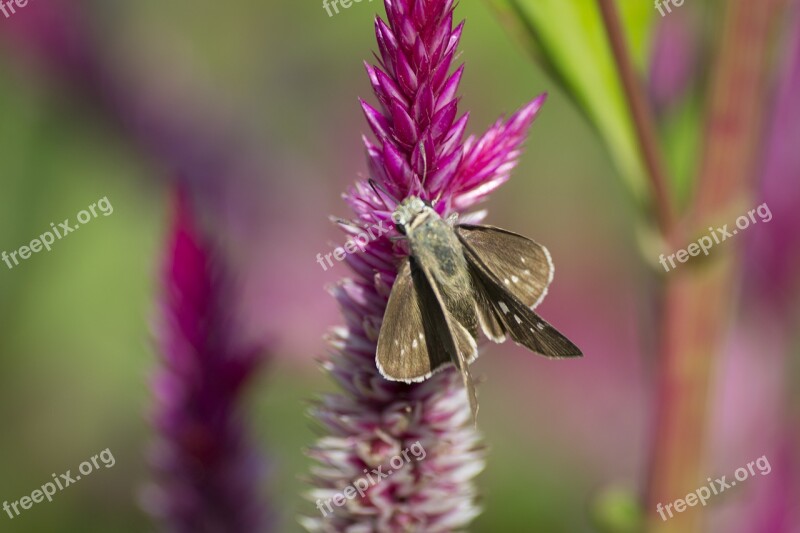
(207, 474)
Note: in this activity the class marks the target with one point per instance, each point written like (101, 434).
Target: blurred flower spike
(207, 474)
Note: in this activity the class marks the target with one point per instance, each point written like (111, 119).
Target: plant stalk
(643, 117)
(698, 299)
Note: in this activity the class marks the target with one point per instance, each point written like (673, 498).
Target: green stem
(642, 116)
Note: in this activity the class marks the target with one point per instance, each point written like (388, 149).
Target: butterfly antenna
(378, 187)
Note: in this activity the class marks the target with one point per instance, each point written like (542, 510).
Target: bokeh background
(254, 103)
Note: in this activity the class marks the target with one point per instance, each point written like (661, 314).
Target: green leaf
(568, 39)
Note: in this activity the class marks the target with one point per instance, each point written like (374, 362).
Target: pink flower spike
(419, 149)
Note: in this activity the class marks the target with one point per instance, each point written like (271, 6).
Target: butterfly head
(409, 210)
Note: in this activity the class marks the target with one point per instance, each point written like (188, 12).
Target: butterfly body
(456, 278)
(438, 252)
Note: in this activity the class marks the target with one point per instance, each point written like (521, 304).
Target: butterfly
(459, 277)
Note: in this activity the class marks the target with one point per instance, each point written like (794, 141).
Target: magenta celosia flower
(420, 150)
(206, 473)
